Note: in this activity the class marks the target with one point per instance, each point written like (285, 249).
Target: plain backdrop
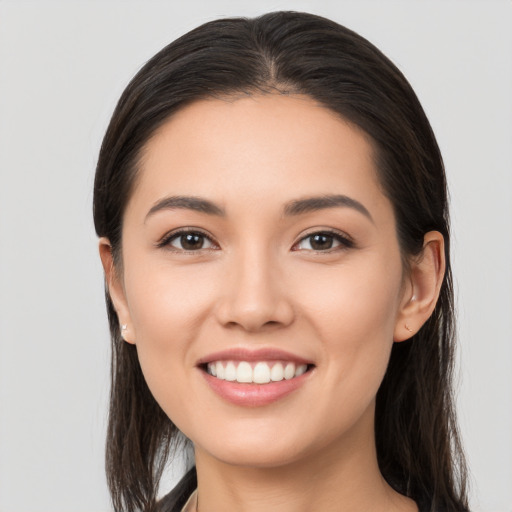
(63, 66)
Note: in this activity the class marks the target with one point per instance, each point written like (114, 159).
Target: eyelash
(345, 242)
(174, 235)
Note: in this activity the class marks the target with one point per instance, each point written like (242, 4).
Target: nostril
(253, 325)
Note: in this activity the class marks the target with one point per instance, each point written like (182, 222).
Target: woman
(272, 212)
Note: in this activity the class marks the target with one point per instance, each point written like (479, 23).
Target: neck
(344, 477)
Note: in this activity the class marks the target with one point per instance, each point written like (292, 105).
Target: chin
(271, 442)
(257, 455)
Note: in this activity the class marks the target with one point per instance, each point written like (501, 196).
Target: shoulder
(176, 499)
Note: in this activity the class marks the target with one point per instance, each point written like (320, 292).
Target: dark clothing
(176, 499)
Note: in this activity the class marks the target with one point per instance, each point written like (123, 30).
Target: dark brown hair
(418, 446)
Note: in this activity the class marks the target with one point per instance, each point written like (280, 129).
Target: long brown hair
(418, 445)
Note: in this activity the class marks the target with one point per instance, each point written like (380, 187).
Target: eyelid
(345, 240)
(164, 240)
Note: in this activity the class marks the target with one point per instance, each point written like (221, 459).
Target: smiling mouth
(255, 372)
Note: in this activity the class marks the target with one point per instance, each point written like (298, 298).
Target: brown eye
(190, 241)
(323, 241)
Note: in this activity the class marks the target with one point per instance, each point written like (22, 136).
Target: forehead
(256, 148)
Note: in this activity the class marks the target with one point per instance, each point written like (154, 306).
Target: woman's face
(258, 245)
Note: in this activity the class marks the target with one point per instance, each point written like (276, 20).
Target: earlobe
(116, 290)
(424, 284)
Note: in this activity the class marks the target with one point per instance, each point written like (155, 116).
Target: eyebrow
(292, 208)
(312, 204)
(197, 204)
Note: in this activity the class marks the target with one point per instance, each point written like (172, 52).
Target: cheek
(356, 300)
(353, 312)
(169, 308)
(168, 303)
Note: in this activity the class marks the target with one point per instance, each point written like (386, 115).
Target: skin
(258, 283)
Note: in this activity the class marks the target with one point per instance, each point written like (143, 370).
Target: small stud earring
(124, 327)
(408, 328)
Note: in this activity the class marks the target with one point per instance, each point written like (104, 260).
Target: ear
(116, 290)
(422, 287)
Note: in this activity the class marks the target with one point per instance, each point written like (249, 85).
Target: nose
(255, 297)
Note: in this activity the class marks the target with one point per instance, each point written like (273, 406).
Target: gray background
(62, 68)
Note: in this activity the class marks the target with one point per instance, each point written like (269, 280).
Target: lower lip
(254, 395)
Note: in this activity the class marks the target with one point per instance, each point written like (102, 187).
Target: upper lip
(250, 355)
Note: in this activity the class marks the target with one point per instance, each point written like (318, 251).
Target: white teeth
(230, 373)
(244, 372)
(289, 371)
(277, 372)
(262, 373)
(220, 371)
(212, 369)
(300, 370)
